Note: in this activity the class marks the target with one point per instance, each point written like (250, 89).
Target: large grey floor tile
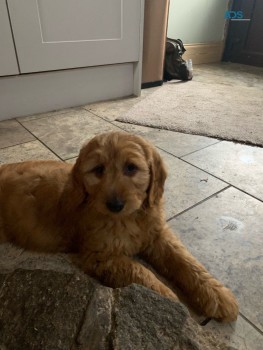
(186, 185)
(239, 335)
(111, 110)
(27, 151)
(116, 108)
(173, 142)
(48, 114)
(225, 234)
(64, 134)
(240, 165)
(12, 133)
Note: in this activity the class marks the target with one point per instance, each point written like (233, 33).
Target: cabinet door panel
(61, 34)
(8, 63)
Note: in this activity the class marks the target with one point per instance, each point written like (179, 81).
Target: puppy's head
(120, 173)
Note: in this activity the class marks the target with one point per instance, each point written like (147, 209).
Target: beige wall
(197, 21)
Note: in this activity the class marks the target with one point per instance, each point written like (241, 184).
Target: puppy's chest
(116, 238)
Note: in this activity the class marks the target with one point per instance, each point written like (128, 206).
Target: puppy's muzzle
(115, 205)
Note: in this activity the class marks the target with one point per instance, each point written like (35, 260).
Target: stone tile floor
(214, 196)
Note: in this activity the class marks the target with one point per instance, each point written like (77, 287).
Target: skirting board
(27, 94)
(204, 53)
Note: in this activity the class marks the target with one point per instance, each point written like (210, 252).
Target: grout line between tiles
(66, 160)
(179, 157)
(37, 118)
(104, 119)
(18, 144)
(107, 120)
(212, 144)
(198, 203)
(40, 141)
(218, 178)
(48, 115)
(36, 138)
(251, 324)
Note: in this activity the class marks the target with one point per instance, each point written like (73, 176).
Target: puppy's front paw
(225, 305)
(167, 292)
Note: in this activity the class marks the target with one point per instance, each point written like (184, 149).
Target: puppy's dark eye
(99, 170)
(130, 169)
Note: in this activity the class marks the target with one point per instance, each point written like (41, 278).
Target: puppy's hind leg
(172, 260)
(121, 271)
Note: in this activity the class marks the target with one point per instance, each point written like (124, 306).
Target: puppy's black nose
(115, 205)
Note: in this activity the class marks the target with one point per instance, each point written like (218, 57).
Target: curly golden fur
(109, 208)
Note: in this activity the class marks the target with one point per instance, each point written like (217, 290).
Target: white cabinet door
(61, 34)
(8, 63)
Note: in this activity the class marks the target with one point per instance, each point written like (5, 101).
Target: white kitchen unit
(94, 44)
(74, 33)
(8, 63)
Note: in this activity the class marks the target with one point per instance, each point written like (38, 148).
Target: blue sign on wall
(234, 15)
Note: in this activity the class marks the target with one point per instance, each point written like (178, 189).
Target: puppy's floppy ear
(74, 194)
(77, 175)
(158, 175)
(76, 172)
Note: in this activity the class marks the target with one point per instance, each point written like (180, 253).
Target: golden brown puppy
(109, 207)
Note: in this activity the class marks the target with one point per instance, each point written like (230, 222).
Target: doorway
(244, 42)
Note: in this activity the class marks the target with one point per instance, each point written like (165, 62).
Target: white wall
(197, 21)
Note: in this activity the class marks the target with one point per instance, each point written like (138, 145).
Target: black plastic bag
(175, 67)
